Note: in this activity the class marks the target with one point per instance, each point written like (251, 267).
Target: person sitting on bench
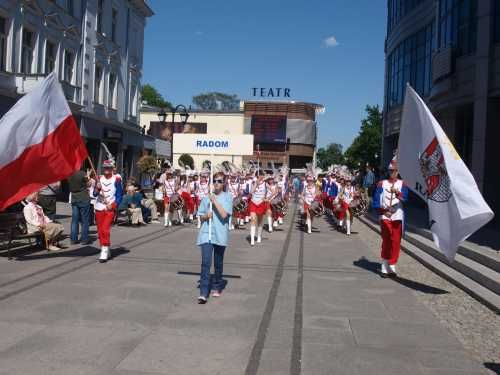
(132, 203)
(37, 221)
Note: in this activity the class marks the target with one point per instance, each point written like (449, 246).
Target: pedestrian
(109, 192)
(215, 244)
(388, 201)
(47, 199)
(37, 221)
(368, 184)
(80, 207)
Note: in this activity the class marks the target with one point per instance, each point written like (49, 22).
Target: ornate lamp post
(184, 115)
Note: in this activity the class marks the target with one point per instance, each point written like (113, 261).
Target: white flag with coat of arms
(432, 168)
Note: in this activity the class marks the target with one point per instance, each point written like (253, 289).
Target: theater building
(284, 132)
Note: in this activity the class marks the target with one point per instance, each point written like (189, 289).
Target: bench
(13, 227)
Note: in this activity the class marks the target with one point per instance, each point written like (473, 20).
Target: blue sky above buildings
(326, 51)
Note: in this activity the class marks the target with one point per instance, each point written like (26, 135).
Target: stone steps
(475, 277)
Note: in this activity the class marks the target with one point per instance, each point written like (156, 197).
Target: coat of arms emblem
(435, 174)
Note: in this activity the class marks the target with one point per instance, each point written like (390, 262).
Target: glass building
(449, 52)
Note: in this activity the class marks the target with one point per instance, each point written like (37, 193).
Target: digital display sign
(166, 130)
(268, 129)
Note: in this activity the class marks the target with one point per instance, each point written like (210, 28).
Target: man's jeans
(80, 212)
(206, 263)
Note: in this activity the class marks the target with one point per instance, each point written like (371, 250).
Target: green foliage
(366, 146)
(187, 160)
(147, 165)
(150, 95)
(331, 154)
(209, 101)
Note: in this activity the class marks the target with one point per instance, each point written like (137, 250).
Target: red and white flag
(39, 142)
(432, 168)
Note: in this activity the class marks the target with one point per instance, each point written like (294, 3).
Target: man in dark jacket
(80, 207)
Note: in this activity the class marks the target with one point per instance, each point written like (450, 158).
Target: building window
(112, 91)
(3, 44)
(69, 59)
(97, 84)
(410, 62)
(100, 10)
(133, 100)
(50, 57)
(27, 51)
(458, 25)
(114, 24)
(397, 9)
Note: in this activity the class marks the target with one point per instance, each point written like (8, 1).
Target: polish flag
(39, 142)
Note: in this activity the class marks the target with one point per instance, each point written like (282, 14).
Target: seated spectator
(150, 210)
(132, 203)
(36, 221)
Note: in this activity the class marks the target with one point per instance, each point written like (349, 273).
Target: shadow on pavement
(493, 367)
(415, 285)
(81, 252)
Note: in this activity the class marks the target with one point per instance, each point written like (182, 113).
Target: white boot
(392, 269)
(384, 268)
(166, 219)
(275, 224)
(259, 234)
(198, 222)
(181, 216)
(309, 225)
(252, 235)
(348, 227)
(191, 218)
(241, 222)
(280, 220)
(104, 254)
(341, 224)
(270, 224)
(247, 219)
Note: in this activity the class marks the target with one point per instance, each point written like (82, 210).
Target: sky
(329, 52)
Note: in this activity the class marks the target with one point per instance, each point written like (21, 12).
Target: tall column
(482, 70)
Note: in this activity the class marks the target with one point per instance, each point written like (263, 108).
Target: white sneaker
(104, 257)
(155, 222)
(53, 248)
(259, 239)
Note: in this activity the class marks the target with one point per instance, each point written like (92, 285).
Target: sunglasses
(218, 181)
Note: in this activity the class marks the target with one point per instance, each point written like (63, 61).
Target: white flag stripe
(433, 169)
(17, 130)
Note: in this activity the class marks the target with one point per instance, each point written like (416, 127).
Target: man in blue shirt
(216, 242)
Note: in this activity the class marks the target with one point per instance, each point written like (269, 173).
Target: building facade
(96, 49)
(284, 132)
(449, 51)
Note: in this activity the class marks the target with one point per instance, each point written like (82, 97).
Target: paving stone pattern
(296, 304)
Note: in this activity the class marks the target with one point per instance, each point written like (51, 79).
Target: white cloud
(331, 41)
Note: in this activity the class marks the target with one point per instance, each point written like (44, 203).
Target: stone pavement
(297, 304)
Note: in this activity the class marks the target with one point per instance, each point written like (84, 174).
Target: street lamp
(183, 113)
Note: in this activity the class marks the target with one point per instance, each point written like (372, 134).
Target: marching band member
(309, 194)
(203, 190)
(193, 188)
(109, 193)
(258, 207)
(169, 188)
(185, 193)
(346, 196)
(248, 186)
(387, 200)
(271, 192)
(283, 189)
(332, 193)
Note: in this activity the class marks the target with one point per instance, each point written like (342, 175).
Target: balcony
(27, 82)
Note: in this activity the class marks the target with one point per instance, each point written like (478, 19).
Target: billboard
(268, 129)
(213, 144)
(165, 130)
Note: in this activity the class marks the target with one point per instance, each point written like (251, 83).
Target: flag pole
(210, 199)
(92, 165)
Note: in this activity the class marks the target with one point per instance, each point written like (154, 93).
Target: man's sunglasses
(218, 181)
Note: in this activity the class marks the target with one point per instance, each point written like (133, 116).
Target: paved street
(310, 304)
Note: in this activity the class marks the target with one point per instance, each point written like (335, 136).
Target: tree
(186, 160)
(365, 148)
(331, 154)
(150, 95)
(216, 101)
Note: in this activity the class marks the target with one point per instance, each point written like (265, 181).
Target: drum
(316, 208)
(278, 204)
(176, 202)
(358, 207)
(240, 205)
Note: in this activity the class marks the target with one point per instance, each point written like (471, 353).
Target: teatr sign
(213, 144)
